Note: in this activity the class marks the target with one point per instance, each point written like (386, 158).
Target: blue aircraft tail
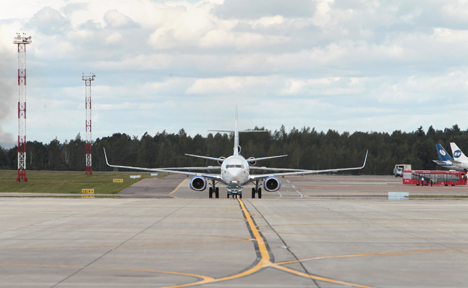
(443, 155)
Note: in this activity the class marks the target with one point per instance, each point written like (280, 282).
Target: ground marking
(177, 188)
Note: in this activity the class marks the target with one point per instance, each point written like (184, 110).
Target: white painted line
(280, 194)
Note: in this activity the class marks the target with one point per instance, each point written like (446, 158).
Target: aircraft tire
(253, 193)
(210, 191)
(259, 193)
(217, 192)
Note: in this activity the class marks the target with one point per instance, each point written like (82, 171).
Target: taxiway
(319, 231)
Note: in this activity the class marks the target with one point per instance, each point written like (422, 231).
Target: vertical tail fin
(236, 138)
(457, 153)
(443, 155)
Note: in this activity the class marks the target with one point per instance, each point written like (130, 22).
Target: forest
(306, 149)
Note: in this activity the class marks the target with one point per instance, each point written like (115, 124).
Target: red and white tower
(89, 138)
(22, 41)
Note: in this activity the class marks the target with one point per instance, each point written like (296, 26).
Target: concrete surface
(319, 231)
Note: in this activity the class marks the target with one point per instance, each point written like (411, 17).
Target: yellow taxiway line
(177, 188)
(264, 262)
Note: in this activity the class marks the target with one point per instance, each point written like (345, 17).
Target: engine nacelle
(271, 184)
(220, 162)
(252, 163)
(198, 183)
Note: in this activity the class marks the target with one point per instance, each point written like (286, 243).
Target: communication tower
(89, 138)
(22, 40)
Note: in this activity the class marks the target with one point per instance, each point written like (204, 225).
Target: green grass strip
(68, 181)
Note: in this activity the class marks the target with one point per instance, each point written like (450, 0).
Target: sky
(345, 65)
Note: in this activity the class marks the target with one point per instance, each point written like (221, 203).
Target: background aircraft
(446, 161)
(458, 155)
(235, 170)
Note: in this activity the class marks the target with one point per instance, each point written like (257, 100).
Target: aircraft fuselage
(235, 169)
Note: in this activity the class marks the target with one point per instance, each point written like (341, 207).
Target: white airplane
(459, 156)
(235, 170)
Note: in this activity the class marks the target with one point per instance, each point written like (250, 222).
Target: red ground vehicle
(423, 177)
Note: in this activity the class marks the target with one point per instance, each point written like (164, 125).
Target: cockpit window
(235, 166)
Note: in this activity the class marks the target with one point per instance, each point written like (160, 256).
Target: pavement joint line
(110, 268)
(263, 261)
(285, 245)
(113, 249)
(133, 245)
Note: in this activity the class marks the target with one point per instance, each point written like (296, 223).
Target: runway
(314, 233)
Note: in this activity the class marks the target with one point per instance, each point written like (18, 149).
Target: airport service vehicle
(423, 177)
(399, 168)
(234, 189)
(235, 169)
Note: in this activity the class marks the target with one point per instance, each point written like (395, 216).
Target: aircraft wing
(264, 158)
(206, 157)
(163, 170)
(195, 168)
(307, 172)
(274, 169)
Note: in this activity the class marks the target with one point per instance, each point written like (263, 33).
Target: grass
(437, 196)
(68, 181)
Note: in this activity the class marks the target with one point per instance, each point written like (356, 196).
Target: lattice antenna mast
(89, 138)
(22, 40)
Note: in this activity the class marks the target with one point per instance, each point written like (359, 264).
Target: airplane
(235, 170)
(446, 161)
(457, 153)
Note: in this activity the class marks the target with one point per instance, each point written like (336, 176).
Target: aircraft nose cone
(235, 173)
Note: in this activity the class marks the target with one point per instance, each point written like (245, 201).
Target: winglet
(105, 155)
(365, 160)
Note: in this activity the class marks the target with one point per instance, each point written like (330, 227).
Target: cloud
(244, 9)
(116, 20)
(342, 64)
(49, 21)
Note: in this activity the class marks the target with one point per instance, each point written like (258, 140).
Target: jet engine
(222, 158)
(271, 184)
(198, 183)
(252, 163)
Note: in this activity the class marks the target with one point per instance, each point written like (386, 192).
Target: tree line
(306, 149)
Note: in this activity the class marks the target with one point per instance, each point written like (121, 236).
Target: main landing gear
(257, 190)
(213, 190)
